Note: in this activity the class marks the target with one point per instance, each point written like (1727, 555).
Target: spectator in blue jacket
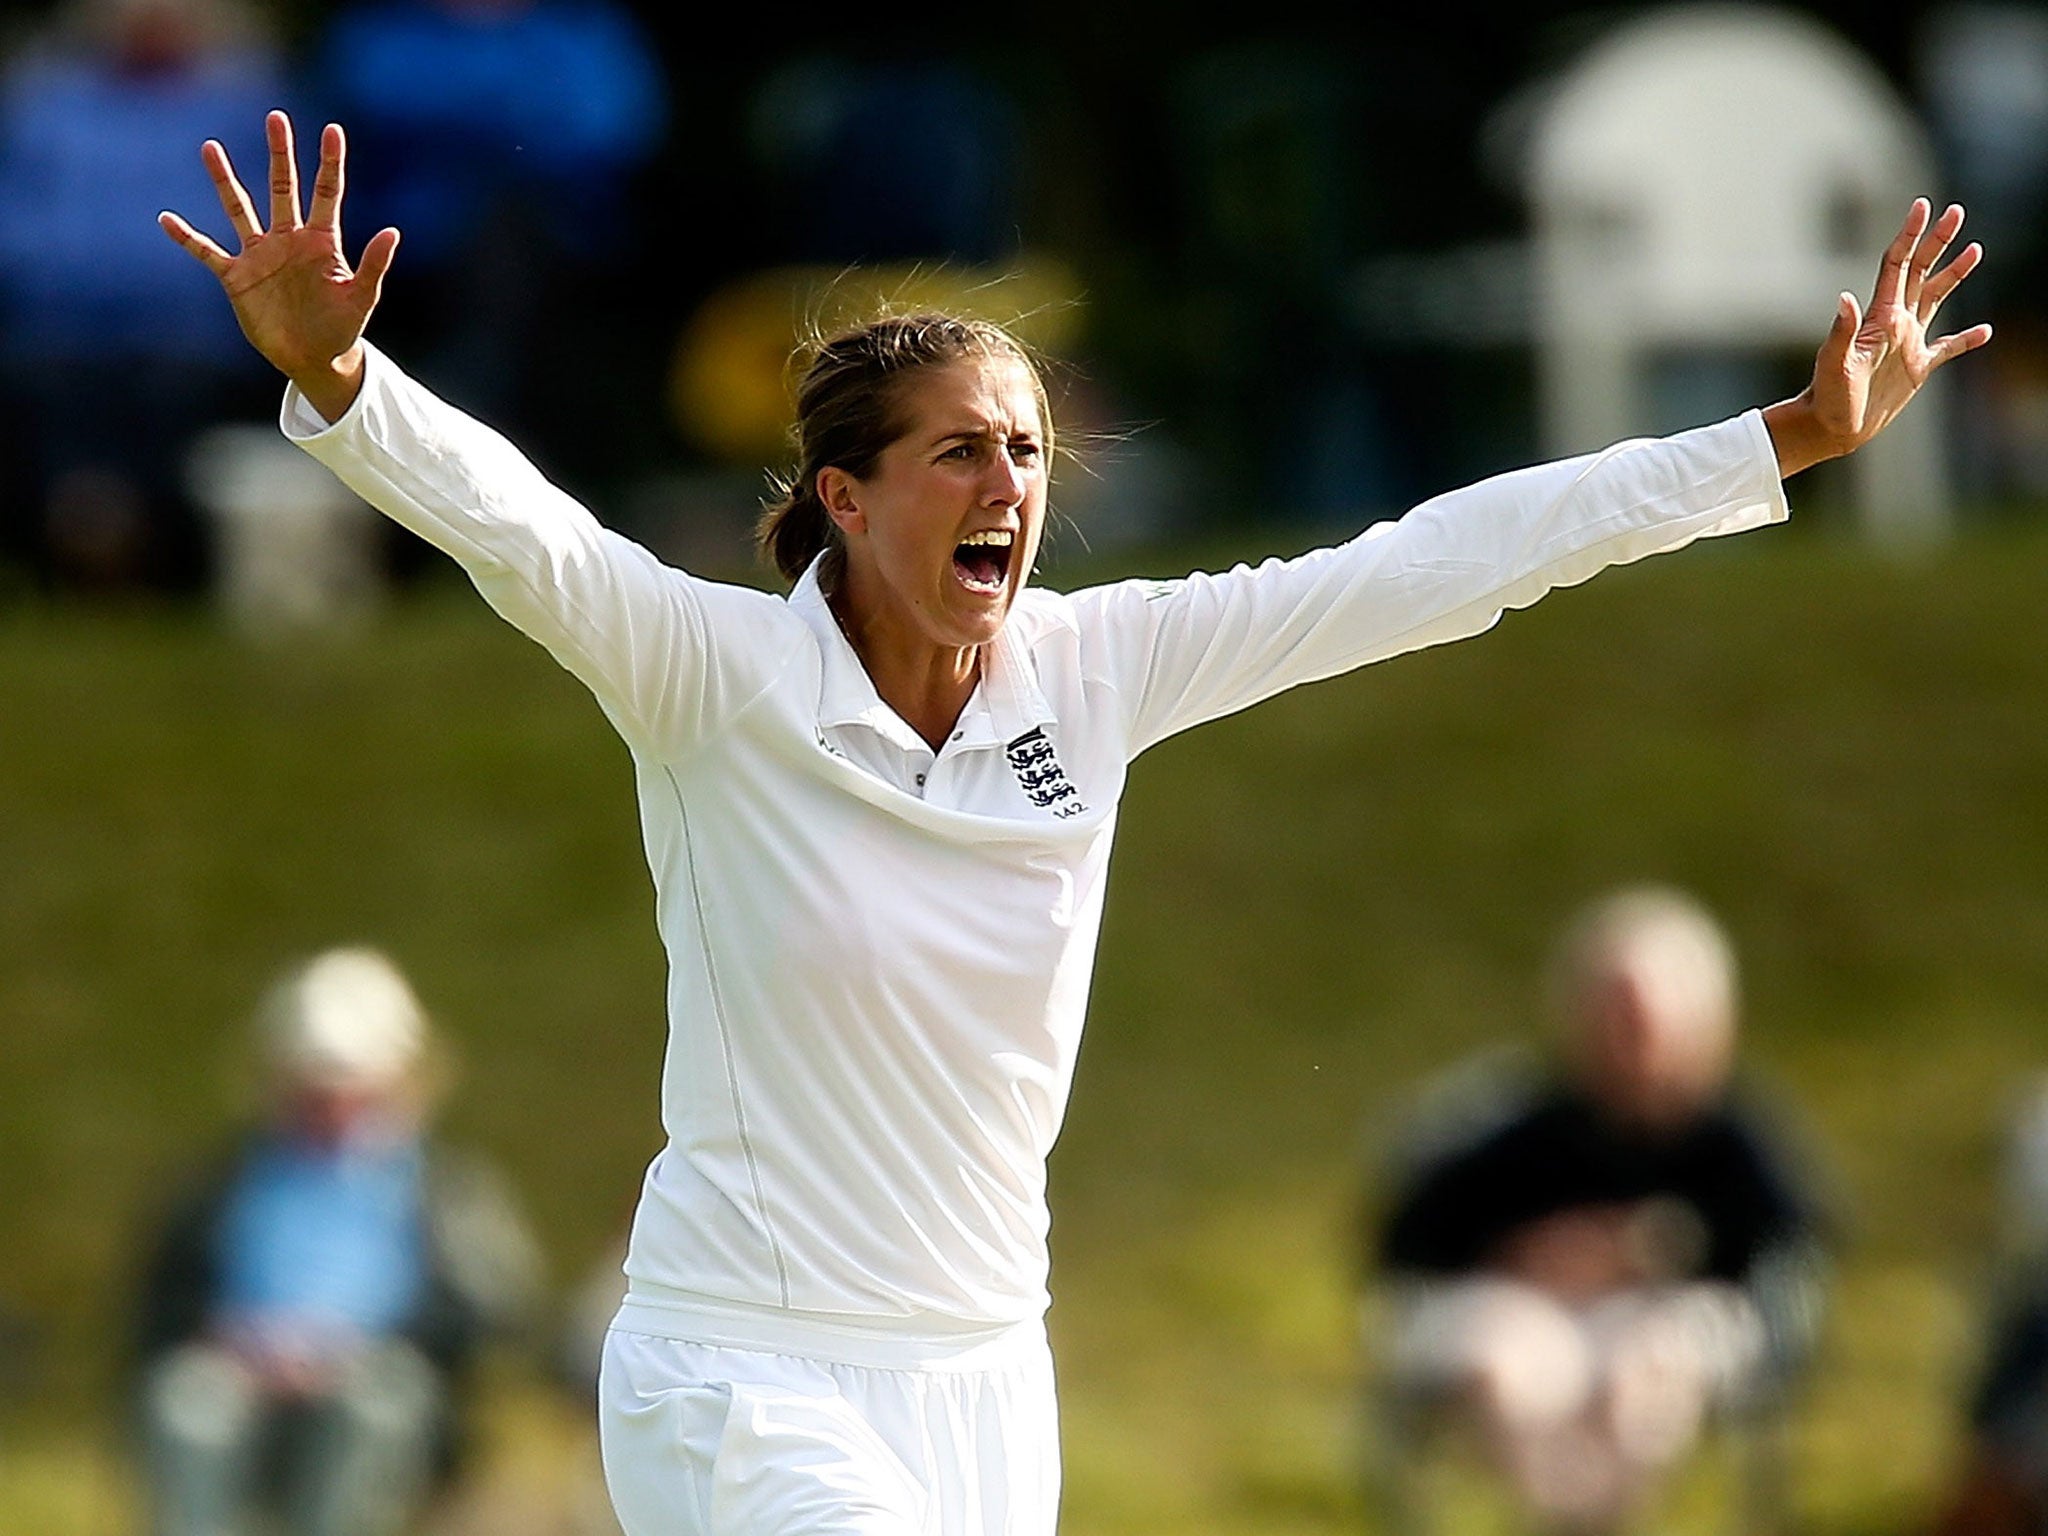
(310, 1311)
(503, 137)
(111, 355)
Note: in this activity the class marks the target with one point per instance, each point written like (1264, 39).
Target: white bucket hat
(345, 1015)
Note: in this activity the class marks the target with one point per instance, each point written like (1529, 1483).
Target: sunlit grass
(1313, 905)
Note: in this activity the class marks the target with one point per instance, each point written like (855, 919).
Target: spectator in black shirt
(1610, 1252)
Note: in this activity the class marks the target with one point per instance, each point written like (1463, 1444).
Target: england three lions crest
(1040, 776)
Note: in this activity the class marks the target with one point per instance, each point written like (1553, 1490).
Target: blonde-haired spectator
(309, 1313)
(1602, 1258)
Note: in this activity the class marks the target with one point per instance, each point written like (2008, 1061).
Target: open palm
(1874, 362)
(293, 291)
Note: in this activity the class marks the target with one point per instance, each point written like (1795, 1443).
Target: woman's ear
(839, 495)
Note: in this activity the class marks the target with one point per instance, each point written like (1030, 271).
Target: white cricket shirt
(879, 956)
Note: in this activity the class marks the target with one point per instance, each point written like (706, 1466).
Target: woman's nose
(1006, 481)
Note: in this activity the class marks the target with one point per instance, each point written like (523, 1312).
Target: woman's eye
(1023, 453)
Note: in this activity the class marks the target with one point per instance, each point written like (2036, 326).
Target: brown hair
(848, 409)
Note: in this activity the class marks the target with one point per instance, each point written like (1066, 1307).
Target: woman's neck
(927, 685)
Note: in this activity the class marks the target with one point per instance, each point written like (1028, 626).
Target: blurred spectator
(502, 137)
(310, 1313)
(1588, 1264)
(2002, 1487)
(113, 350)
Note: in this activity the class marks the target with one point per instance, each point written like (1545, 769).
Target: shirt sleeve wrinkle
(1187, 651)
(672, 657)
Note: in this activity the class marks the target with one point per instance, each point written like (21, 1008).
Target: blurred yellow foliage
(732, 379)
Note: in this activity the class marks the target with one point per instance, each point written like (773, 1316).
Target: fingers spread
(202, 250)
(375, 263)
(1928, 251)
(325, 210)
(234, 197)
(284, 173)
(1958, 344)
(1945, 282)
(1891, 272)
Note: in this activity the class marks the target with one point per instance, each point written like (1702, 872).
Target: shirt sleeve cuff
(1767, 454)
(301, 423)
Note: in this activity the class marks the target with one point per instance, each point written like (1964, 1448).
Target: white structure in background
(1710, 178)
(297, 549)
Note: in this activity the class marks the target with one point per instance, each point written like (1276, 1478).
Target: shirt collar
(1011, 702)
(847, 695)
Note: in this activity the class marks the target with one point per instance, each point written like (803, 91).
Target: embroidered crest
(1040, 776)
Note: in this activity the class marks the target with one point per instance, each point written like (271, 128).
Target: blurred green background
(1286, 269)
(1314, 904)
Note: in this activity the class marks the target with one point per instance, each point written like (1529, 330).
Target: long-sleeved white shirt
(879, 956)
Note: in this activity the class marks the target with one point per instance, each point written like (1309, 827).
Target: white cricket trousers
(707, 1440)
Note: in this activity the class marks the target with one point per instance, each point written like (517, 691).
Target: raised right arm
(670, 657)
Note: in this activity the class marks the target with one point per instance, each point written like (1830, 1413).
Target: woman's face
(941, 534)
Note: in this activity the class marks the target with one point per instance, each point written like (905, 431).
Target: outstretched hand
(1874, 361)
(292, 289)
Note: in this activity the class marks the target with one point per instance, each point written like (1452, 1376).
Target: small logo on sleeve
(1040, 776)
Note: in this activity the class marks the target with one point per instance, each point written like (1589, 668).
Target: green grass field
(1314, 905)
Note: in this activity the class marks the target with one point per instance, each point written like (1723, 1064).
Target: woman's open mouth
(982, 560)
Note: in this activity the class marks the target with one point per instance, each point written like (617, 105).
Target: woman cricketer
(878, 815)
